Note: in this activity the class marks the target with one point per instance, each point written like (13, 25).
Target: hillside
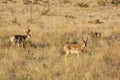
(53, 24)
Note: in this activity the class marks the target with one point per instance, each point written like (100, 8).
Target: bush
(116, 2)
(82, 4)
(27, 43)
(26, 2)
(105, 2)
(102, 2)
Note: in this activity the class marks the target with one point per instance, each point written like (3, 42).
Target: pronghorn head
(85, 42)
(28, 33)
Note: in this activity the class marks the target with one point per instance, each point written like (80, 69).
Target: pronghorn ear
(86, 41)
(28, 30)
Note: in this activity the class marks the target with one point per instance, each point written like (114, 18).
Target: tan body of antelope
(19, 39)
(75, 48)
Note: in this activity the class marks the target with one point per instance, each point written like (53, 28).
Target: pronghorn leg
(18, 45)
(67, 54)
(12, 44)
(23, 46)
(78, 55)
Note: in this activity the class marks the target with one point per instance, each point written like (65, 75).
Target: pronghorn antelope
(19, 39)
(75, 48)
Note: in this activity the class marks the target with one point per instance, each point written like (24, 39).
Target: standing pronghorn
(19, 39)
(75, 48)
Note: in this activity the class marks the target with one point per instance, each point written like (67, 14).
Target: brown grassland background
(53, 24)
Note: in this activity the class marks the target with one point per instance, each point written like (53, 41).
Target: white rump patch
(12, 38)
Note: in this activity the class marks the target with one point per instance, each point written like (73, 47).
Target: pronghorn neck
(28, 36)
(84, 45)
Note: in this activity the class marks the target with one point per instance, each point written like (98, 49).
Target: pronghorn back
(18, 38)
(73, 47)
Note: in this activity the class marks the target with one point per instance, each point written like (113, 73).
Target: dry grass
(52, 27)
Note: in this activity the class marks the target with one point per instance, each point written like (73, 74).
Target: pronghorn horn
(85, 42)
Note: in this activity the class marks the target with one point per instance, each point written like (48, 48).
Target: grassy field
(53, 24)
